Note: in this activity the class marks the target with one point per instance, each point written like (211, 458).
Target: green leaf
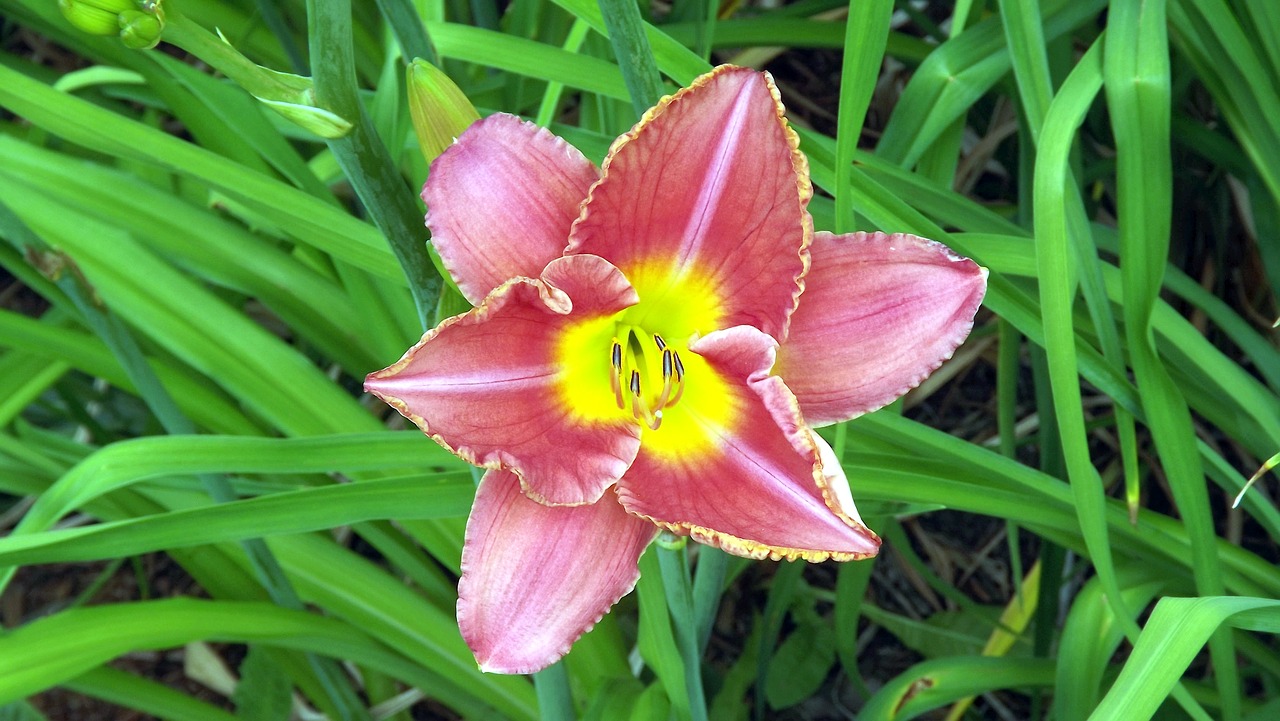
(20, 711)
(60, 647)
(264, 692)
(1173, 635)
(933, 684)
(800, 665)
(149, 697)
(312, 509)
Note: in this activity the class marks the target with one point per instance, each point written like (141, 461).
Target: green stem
(635, 57)
(673, 559)
(409, 30)
(270, 12)
(190, 36)
(706, 28)
(555, 700)
(852, 580)
(785, 581)
(1008, 364)
(551, 98)
(362, 156)
(866, 34)
(708, 583)
(484, 14)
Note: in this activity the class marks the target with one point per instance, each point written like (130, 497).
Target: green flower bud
(137, 22)
(440, 111)
(96, 17)
(140, 30)
(322, 122)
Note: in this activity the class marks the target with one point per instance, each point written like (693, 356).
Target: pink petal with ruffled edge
(879, 313)
(710, 179)
(501, 200)
(760, 489)
(487, 384)
(535, 578)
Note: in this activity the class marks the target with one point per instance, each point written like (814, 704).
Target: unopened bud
(440, 110)
(96, 17)
(140, 30)
(322, 122)
(137, 22)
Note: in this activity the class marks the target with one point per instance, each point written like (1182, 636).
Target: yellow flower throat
(635, 364)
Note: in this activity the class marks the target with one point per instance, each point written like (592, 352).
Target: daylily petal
(709, 183)
(838, 494)
(535, 578)
(489, 384)
(879, 313)
(759, 488)
(501, 201)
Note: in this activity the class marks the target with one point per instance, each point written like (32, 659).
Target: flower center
(645, 378)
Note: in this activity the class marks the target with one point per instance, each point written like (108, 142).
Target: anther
(615, 378)
(677, 380)
(667, 369)
(630, 360)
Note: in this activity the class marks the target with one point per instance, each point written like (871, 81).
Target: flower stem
(362, 156)
(635, 57)
(189, 35)
(708, 583)
(409, 30)
(271, 17)
(785, 581)
(866, 33)
(555, 700)
(673, 559)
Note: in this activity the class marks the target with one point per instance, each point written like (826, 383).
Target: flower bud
(440, 111)
(137, 22)
(322, 122)
(140, 30)
(96, 17)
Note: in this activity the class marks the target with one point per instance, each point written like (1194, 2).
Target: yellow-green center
(635, 364)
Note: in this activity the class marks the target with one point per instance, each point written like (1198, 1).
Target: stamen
(639, 408)
(667, 369)
(678, 383)
(630, 363)
(615, 378)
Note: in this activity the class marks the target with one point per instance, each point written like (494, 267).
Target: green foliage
(199, 286)
(263, 692)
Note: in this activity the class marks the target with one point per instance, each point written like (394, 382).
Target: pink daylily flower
(651, 345)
